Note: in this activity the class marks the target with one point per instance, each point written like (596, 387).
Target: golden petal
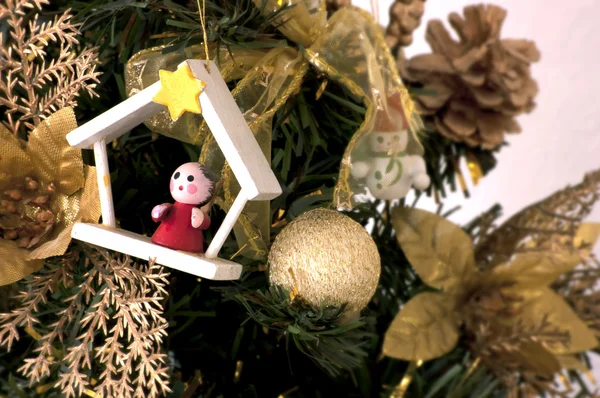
(535, 270)
(15, 163)
(57, 246)
(13, 263)
(84, 205)
(52, 156)
(560, 316)
(533, 357)
(571, 362)
(440, 251)
(426, 327)
(587, 235)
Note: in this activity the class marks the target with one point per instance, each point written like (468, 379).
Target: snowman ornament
(182, 223)
(389, 171)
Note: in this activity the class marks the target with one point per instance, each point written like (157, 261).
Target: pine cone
(405, 17)
(474, 88)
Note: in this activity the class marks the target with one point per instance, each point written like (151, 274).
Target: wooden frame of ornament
(233, 136)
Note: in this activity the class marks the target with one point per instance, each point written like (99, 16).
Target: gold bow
(44, 189)
(349, 48)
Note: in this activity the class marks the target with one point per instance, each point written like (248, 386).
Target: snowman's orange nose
(181, 187)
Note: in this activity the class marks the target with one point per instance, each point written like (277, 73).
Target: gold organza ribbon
(348, 48)
(48, 158)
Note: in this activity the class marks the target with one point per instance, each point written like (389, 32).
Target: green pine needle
(315, 331)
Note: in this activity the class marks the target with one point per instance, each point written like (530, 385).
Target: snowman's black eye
(380, 139)
(396, 138)
(176, 176)
(190, 178)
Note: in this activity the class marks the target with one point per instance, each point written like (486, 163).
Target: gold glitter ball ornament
(326, 258)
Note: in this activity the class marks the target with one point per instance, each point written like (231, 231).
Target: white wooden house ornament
(233, 136)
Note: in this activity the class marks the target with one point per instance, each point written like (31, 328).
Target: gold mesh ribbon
(348, 48)
(48, 158)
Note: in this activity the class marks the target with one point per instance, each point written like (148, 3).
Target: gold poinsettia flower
(493, 303)
(44, 189)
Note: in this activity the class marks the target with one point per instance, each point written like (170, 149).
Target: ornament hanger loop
(202, 12)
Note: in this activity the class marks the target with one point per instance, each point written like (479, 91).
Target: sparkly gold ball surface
(328, 257)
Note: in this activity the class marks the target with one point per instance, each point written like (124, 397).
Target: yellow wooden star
(179, 91)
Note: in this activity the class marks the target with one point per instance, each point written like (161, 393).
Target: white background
(560, 141)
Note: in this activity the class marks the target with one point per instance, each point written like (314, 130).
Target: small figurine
(388, 169)
(192, 186)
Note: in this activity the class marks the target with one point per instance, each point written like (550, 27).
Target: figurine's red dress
(176, 230)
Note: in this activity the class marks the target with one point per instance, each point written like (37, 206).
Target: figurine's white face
(189, 185)
(389, 141)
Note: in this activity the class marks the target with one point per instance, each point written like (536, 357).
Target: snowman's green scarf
(395, 159)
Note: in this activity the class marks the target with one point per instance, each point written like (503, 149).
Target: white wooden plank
(142, 247)
(118, 120)
(104, 185)
(227, 225)
(233, 135)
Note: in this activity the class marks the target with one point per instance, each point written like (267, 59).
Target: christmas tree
(333, 282)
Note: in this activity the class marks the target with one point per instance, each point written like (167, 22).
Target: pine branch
(20, 7)
(581, 289)
(66, 90)
(552, 221)
(36, 293)
(112, 321)
(42, 33)
(495, 348)
(32, 88)
(316, 332)
(39, 367)
(137, 296)
(56, 70)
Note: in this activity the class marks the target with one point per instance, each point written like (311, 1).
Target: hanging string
(202, 12)
(375, 10)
